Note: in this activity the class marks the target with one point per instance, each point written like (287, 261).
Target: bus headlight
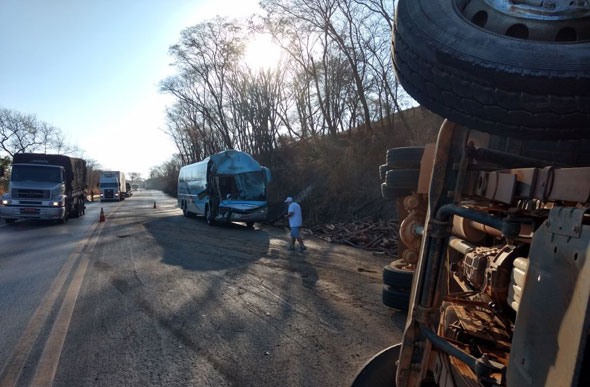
(6, 202)
(57, 204)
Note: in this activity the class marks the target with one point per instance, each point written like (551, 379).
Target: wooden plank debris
(366, 233)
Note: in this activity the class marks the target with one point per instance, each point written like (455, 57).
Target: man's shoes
(302, 248)
(292, 248)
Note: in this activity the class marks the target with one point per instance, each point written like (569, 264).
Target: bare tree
(337, 77)
(205, 56)
(134, 176)
(21, 133)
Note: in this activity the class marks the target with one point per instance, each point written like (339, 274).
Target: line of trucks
(53, 187)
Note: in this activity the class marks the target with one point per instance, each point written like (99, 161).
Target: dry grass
(343, 171)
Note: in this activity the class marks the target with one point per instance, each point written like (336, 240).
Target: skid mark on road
(14, 366)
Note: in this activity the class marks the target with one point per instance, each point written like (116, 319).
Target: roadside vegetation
(320, 117)
(25, 133)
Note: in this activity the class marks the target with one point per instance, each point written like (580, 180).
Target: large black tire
(77, 212)
(403, 179)
(395, 298)
(408, 157)
(383, 170)
(397, 278)
(483, 80)
(390, 193)
(9, 220)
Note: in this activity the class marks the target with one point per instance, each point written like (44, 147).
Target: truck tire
(397, 277)
(503, 84)
(9, 220)
(395, 298)
(78, 209)
(383, 170)
(404, 181)
(391, 193)
(408, 157)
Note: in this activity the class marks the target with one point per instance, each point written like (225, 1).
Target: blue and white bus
(225, 187)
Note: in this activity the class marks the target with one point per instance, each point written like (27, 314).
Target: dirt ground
(169, 300)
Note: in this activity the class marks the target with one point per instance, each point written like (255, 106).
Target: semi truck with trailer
(225, 187)
(44, 186)
(112, 186)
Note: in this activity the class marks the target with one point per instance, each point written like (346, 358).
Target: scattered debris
(367, 234)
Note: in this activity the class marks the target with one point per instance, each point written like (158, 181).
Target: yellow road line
(51, 353)
(14, 366)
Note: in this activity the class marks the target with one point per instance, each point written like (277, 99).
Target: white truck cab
(112, 186)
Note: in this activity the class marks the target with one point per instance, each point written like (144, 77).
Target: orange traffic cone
(101, 219)
(155, 204)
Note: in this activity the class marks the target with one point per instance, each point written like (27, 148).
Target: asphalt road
(151, 298)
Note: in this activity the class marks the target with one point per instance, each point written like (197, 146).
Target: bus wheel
(9, 220)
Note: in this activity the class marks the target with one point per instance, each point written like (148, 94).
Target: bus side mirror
(267, 174)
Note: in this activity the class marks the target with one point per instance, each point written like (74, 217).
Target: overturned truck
(225, 187)
(500, 295)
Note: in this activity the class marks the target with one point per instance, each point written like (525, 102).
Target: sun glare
(262, 53)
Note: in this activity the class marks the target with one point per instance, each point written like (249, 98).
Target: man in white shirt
(295, 221)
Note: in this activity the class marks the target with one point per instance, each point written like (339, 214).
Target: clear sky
(92, 69)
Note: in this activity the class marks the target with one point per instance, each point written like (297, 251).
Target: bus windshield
(33, 173)
(249, 186)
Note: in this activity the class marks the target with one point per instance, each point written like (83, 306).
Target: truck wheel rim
(547, 21)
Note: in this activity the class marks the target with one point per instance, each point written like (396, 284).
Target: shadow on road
(194, 245)
(173, 301)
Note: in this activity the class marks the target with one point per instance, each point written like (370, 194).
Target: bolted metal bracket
(566, 221)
